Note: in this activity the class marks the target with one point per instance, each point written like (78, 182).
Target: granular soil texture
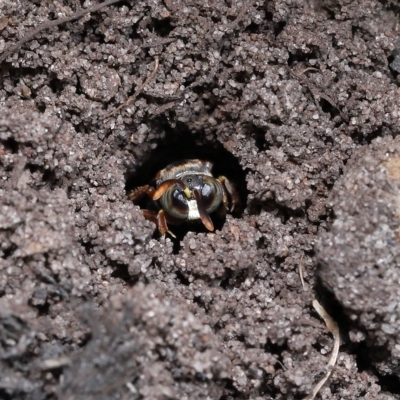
(296, 102)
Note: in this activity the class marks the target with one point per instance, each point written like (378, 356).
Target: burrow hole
(179, 146)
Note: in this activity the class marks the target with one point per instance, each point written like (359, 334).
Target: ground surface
(297, 102)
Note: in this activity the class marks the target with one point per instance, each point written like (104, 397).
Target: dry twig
(334, 329)
(51, 24)
(301, 273)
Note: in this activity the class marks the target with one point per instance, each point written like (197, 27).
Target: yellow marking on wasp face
(188, 193)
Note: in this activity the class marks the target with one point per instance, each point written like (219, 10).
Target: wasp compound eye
(175, 203)
(211, 194)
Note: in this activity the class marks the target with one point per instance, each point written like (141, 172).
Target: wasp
(187, 191)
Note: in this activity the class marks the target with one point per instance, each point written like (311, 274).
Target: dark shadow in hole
(11, 145)
(392, 6)
(302, 57)
(365, 139)
(391, 383)
(362, 32)
(269, 16)
(211, 102)
(328, 9)
(258, 135)
(162, 27)
(276, 121)
(233, 279)
(56, 85)
(180, 144)
(327, 107)
(279, 27)
(327, 298)
(277, 350)
(121, 271)
(43, 310)
(8, 252)
(394, 62)
(242, 77)
(182, 278)
(256, 205)
(252, 28)
(226, 280)
(363, 351)
(48, 176)
(230, 388)
(41, 107)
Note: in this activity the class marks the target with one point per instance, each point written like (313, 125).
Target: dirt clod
(359, 255)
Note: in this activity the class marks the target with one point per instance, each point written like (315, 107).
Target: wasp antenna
(166, 185)
(205, 218)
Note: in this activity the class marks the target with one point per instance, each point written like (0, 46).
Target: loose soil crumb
(292, 93)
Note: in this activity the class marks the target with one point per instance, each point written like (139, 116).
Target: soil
(296, 103)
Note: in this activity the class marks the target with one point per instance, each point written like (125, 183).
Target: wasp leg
(231, 198)
(137, 194)
(150, 215)
(166, 185)
(159, 219)
(162, 224)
